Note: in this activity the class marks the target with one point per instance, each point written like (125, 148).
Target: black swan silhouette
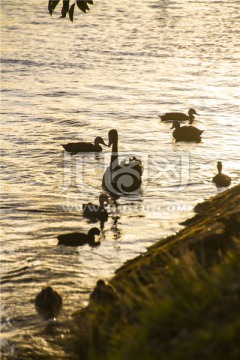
(124, 178)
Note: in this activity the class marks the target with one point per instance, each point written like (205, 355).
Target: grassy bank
(179, 300)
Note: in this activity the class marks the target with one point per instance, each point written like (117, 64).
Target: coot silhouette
(79, 239)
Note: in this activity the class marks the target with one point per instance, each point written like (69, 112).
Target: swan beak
(196, 113)
(172, 127)
(102, 142)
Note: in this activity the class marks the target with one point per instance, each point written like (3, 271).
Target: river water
(118, 66)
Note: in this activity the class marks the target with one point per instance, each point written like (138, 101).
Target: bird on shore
(103, 294)
(220, 179)
(92, 211)
(186, 133)
(85, 146)
(124, 178)
(48, 303)
(179, 116)
(79, 239)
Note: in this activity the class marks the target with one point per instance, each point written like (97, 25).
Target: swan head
(176, 125)
(192, 111)
(99, 140)
(112, 137)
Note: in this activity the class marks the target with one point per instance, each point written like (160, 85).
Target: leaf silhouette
(71, 12)
(82, 5)
(52, 5)
(65, 8)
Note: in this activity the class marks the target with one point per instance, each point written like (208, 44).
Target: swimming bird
(220, 179)
(103, 294)
(92, 211)
(186, 133)
(48, 303)
(85, 146)
(179, 116)
(124, 178)
(79, 239)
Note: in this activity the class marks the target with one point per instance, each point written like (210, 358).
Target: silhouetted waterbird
(220, 179)
(48, 303)
(79, 239)
(103, 294)
(92, 211)
(186, 133)
(85, 146)
(124, 178)
(179, 116)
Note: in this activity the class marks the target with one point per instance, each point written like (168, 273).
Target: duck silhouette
(220, 179)
(186, 133)
(79, 239)
(48, 303)
(85, 146)
(99, 212)
(179, 116)
(124, 178)
(103, 294)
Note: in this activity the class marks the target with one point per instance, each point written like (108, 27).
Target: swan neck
(114, 156)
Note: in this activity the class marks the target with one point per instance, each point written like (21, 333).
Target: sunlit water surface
(117, 67)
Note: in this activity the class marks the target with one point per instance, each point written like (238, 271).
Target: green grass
(185, 312)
